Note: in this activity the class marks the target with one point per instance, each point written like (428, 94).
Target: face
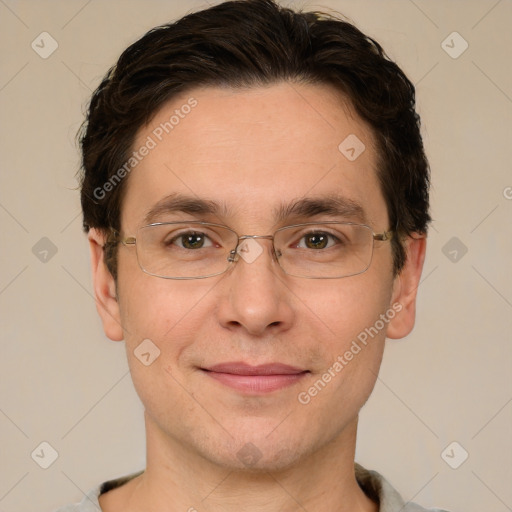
(251, 153)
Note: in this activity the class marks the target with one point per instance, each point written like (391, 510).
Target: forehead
(253, 153)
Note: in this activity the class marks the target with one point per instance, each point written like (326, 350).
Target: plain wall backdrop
(66, 384)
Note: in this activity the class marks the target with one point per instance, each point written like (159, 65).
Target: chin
(258, 454)
(252, 460)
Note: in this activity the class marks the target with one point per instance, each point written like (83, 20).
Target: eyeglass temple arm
(387, 235)
(115, 238)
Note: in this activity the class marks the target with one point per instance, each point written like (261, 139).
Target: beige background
(64, 383)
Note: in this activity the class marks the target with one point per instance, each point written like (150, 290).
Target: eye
(317, 240)
(191, 240)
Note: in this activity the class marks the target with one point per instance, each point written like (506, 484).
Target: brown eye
(317, 240)
(191, 240)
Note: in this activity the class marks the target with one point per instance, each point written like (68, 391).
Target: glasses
(197, 250)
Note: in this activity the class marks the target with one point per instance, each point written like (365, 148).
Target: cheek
(351, 347)
(347, 308)
(161, 320)
(170, 313)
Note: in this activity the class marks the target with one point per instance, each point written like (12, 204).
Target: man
(255, 194)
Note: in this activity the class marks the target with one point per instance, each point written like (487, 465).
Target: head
(245, 106)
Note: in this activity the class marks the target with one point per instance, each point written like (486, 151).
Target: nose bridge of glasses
(240, 248)
(245, 237)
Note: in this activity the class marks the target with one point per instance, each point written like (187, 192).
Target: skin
(252, 149)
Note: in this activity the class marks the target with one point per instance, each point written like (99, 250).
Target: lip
(259, 379)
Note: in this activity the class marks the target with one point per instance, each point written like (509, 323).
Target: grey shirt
(373, 484)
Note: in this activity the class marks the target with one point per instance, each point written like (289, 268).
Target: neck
(178, 478)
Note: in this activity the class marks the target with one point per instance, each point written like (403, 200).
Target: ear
(405, 287)
(104, 288)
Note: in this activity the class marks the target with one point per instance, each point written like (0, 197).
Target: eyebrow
(174, 203)
(332, 205)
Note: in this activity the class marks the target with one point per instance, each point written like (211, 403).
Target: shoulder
(90, 502)
(413, 507)
(380, 490)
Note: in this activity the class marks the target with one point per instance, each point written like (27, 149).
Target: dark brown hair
(249, 43)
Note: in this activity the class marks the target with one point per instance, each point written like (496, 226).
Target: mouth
(259, 379)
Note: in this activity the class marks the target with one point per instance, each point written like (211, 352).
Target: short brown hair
(248, 43)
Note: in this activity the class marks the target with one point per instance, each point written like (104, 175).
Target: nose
(253, 296)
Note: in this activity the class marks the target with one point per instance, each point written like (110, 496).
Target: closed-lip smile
(263, 378)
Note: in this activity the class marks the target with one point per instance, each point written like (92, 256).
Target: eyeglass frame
(233, 257)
